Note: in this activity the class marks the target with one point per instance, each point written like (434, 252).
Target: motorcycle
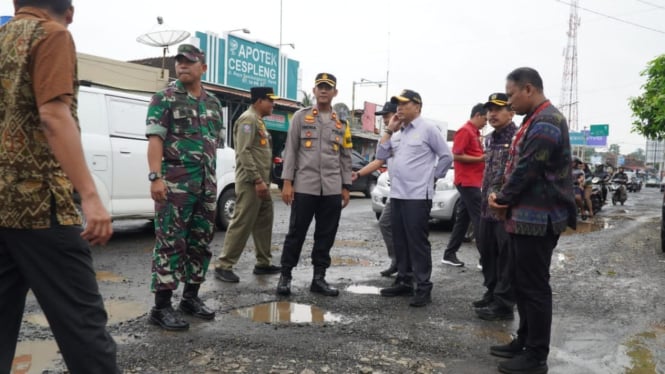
(619, 192)
(596, 195)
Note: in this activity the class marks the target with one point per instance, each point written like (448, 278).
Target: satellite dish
(162, 36)
(342, 111)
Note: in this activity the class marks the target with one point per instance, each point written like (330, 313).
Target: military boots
(319, 285)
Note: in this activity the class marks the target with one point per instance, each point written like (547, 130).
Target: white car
(444, 202)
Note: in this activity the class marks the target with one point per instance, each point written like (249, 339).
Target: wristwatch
(153, 176)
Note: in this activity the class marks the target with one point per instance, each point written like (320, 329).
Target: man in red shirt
(469, 163)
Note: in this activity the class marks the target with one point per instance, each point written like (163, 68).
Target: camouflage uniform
(191, 129)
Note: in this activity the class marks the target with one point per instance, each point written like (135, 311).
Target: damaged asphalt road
(609, 307)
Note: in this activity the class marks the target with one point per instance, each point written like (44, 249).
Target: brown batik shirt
(37, 65)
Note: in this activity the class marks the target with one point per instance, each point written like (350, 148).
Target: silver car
(444, 202)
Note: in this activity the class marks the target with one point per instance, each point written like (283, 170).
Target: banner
(368, 118)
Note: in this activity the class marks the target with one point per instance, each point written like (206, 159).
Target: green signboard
(251, 64)
(600, 130)
(278, 121)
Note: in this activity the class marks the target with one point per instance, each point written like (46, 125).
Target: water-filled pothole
(118, 311)
(349, 261)
(287, 312)
(364, 290)
(35, 356)
(590, 225)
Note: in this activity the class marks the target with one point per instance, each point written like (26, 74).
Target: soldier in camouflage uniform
(497, 302)
(184, 128)
(253, 214)
(43, 247)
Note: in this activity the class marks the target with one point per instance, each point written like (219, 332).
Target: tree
(614, 148)
(649, 108)
(639, 155)
(307, 99)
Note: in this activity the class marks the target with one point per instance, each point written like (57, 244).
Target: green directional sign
(599, 130)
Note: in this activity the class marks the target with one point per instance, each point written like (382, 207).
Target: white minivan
(115, 146)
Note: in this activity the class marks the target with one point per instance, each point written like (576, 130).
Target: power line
(652, 4)
(615, 18)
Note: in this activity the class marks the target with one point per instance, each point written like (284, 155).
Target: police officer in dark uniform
(317, 179)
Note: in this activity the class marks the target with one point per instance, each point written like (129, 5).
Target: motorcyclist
(620, 175)
(603, 175)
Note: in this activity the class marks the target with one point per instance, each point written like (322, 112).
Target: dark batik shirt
(497, 145)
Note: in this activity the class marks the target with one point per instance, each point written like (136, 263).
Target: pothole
(284, 312)
(117, 311)
(35, 356)
(363, 290)
(349, 261)
(107, 276)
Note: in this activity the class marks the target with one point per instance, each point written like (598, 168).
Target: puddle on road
(34, 356)
(118, 311)
(349, 261)
(364, 290)
(591, 225)
(107, 276)
(287, 312)
(351, 243)
(639, 350)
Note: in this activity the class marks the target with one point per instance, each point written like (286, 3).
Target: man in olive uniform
(317, 179)
(184, 128)
(254, 211)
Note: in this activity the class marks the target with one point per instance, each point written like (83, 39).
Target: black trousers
(531, 257)
(57, 265)
(467, 213)
(326, 210)
(411, 238)
(493, 243)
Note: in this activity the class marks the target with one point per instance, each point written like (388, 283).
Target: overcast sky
(455, 53)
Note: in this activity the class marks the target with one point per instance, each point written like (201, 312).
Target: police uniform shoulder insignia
(348, 143)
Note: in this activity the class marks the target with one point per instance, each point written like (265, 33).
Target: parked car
(364, 184)
(652, 182)
(444, 202)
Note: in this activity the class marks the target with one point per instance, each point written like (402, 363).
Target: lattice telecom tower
(568, 101)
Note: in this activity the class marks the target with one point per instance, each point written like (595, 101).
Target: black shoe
(195, 307)
(400, 288)
(390, 271)
(421, 299)
(452, 260)
(526, 363)
(493, 313)
(284, 285)
(270, 269)
(168, 319)
(319, 285)
(510, 350)
(226, 275)
(482, 303)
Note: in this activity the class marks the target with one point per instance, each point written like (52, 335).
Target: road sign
(599, 130)
(576, 138)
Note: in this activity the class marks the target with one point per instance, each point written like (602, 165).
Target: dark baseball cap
(263, 93)
(406, 96)
(326, 78)
(388, 107)
(191, 53)
(499, 99)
